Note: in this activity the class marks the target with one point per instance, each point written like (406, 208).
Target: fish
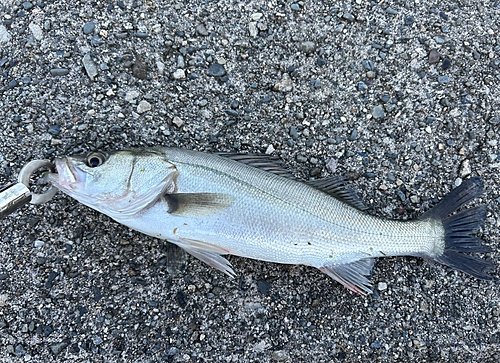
(217, 204)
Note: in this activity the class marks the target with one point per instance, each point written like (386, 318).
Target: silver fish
(213, 205)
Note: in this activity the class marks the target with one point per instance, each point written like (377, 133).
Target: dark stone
(263, 286)
(89, 28)
(140, 69)
(446, 64)
(216, 70)
(4, 276)
(409, 20)
(181, 299)
(54, 130)
(59, 71)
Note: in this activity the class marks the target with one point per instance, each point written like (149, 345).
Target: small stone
(216, 70)
(465, 168)
(143, 106)
(179, 74)
(96, 339)
(349, 17)
(59, 72)
(446, 64)
(178, 122)
(293, 133)
(285, 85)
(354, 135)
(256, 16)
(391, 11)
(362, 86)
(382, 286)
(161, 68)
(57, 348)
(131, 95)
(37, 31)
(295, 7)
(443, 79)
(434, 56)
(270, 149)
(89, 28)
(90, 66)
(368, 65)
(458, 182)
(409, 20)
(307, 47)
(27, 5)
(414, 199)
(202, 30)
(301, 158)
(252, 29)
(54, 130)
(331, 165)
(376, 344)
(140, 69)
(263, 286)
(5, 36)
(378, 112)
(370, 75)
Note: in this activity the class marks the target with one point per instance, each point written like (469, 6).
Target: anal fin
(208, 253)
(352, 275)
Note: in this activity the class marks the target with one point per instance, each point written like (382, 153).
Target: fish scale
(213, 205)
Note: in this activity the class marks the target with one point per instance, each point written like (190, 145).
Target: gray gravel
(401, 97)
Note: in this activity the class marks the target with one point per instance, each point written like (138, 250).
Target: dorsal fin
(334, 186)
(268, 163)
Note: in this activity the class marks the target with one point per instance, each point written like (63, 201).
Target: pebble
(409, 20)
(202, 30)
(54, 130)
(458, 182)
(57, 348)
(301, 158)
(177, 121)
(307, 47)
(27, 5)
(131, 95)
(293, 133)
(252, 29)
(331, 165)
(391, 11)
(270, 149)
(179, 74)
(443, 79)
(5, 36)
(382, 286)
(139, 69)
(362, 86)
(465, 168)
(285, 85)
(216, 70)
(349, 17)
(59, 71)
(414, 199)
(378, 112)
(354, 135)
(376, 344)
(295, 7)
(89, 28)
(90, 66)
(263, 286)
(446, 64)
(143, 106)
(161, 68)
(37, 31)
(368, 65)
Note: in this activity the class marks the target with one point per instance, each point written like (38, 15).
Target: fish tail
(459, 229)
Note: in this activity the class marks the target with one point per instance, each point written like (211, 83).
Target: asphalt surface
(401, 97)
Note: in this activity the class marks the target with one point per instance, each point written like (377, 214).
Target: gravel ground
(402, 97)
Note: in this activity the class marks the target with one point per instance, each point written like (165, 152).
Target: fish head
(120, 183)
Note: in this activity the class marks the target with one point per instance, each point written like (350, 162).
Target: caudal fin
(459, 228)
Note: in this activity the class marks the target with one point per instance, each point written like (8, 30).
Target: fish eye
(95, 160)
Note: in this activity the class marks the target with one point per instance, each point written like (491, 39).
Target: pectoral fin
(352, 275)
(208, 253)
(197, 204)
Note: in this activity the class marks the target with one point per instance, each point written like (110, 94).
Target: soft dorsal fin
(268, 163)
(334, 186)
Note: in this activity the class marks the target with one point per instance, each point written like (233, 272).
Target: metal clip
(14, 196)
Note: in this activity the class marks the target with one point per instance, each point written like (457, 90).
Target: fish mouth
(68, 176)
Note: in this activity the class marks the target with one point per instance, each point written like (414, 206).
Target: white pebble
(382, 286)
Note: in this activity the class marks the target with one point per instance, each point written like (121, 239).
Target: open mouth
(67, 175)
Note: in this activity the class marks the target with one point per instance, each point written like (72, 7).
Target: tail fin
(458, 229)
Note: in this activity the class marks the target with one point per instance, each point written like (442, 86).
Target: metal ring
(24, 177)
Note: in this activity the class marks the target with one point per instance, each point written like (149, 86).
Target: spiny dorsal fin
(268, 163)
(334, 186)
